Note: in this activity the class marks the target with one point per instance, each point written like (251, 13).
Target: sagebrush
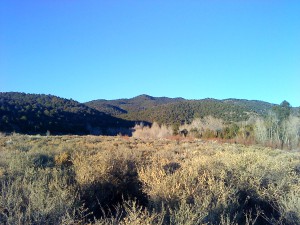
(122, 180)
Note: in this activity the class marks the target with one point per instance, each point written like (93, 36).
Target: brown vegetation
(122, 180)
(155, 131)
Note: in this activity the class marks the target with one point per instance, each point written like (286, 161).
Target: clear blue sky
(195, 49)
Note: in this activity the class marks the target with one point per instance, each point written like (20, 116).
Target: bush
(40, 160)
(155, 131)
(63, 159)
(117, 180)
(41, 196)
(107, 177)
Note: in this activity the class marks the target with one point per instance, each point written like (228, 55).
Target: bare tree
(260, 131)
(285, 133)
(291, 132)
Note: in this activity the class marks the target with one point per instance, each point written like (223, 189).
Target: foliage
(177, 111)
(280, 128)
(32, 114)
(123, 106)
(155, 131)
(282, 111)
(279, 134)
(47, 114)
(185, 112)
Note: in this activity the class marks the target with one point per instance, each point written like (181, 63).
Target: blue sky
(95, 49)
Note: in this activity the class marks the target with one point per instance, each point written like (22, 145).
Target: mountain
(186, 111)
(37, 113)
(179, 110)
(136, 104)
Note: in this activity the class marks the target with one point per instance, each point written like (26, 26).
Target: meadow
(128, 180)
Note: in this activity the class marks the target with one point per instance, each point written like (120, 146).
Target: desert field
(125, 180)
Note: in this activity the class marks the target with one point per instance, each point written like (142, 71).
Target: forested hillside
(186, 111)
(178, 110)
(33, 113)
(259, 107)
(37, 113)
(136, 104)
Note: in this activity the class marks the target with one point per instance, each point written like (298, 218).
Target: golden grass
(121, 180)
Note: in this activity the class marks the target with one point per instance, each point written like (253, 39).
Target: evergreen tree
(282, 111)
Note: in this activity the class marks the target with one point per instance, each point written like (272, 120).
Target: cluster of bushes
(212, 128)
(153, 131)
(106, 180)
(207, 128)
(279, 129)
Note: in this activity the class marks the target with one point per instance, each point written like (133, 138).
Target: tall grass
(155, 131)
(118, 180)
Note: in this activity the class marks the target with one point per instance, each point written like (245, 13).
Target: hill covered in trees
(136, 104)
(179, 110)
(38, 113)
(259, 107)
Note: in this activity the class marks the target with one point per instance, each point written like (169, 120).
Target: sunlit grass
(121, 180)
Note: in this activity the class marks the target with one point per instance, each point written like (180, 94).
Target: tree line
(280, 128)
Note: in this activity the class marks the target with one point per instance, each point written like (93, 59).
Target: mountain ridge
(149, 108)
(37, 113)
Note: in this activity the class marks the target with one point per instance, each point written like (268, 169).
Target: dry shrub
(130, 212)
(105, 177)
(206, 127)
(170, 182)
(290, 207)
(155, 131)
(136, 214)
(188, 191)
(63, 159)
(219, 184)
(40, 196)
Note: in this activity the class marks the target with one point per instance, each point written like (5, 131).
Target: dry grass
(121, 180)
(155, 131)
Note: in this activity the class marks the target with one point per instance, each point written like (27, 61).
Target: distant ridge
(124, 106)
(178, 110)
(37, 113)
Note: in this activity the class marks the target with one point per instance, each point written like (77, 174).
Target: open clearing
(122, 180)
